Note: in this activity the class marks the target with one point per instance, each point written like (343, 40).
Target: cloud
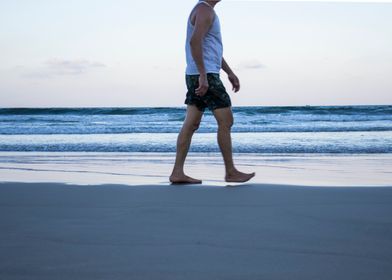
(71, 67)
(251, 64)
(62, 67)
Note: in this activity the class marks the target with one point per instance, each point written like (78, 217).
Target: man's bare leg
(190, 125)
(224, 117)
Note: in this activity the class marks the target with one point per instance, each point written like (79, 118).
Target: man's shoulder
(203, 9)
(203, 12)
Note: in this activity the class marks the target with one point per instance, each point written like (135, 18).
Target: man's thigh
(224, 116)
(193, 115)
(216, 96)
(192, 83)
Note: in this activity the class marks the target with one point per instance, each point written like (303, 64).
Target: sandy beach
(251, 231)
(103, 104)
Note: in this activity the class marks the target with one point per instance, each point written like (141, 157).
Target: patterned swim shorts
(215, 97)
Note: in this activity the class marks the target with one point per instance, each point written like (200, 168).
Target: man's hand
(203, 85)
(234, 81)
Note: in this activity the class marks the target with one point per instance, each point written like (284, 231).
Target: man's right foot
(183, 179)
(239, 177)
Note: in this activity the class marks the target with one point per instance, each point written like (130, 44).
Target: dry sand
(56, 231)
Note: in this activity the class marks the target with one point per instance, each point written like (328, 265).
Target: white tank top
(212, 47)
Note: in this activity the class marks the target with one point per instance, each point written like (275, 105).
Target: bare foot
(183, 179)
(239, 177)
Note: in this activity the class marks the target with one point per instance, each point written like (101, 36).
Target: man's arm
(226, 67)
(230, 74)
(203, 22)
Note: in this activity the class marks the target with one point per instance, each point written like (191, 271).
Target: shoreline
(154, 168)
(209, 185)
(252, 231)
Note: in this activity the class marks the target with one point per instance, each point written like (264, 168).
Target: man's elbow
(194, 42)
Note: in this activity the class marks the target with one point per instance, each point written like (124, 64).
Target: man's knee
(225, 123)
(192, 126)
(195, 126)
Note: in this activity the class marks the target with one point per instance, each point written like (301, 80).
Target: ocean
(257, 129)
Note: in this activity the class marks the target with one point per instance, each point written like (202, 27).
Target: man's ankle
(177, 172)
(230, 170)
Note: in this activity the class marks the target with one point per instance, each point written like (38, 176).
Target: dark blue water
(302, 129)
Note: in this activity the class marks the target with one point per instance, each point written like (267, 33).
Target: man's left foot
(183, 179)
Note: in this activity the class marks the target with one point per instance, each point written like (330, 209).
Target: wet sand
(250, 231)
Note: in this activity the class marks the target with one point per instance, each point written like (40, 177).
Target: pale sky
(131, 53)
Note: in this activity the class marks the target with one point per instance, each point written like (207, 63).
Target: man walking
(204, 55)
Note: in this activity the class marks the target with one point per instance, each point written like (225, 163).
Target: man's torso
(212, 45)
